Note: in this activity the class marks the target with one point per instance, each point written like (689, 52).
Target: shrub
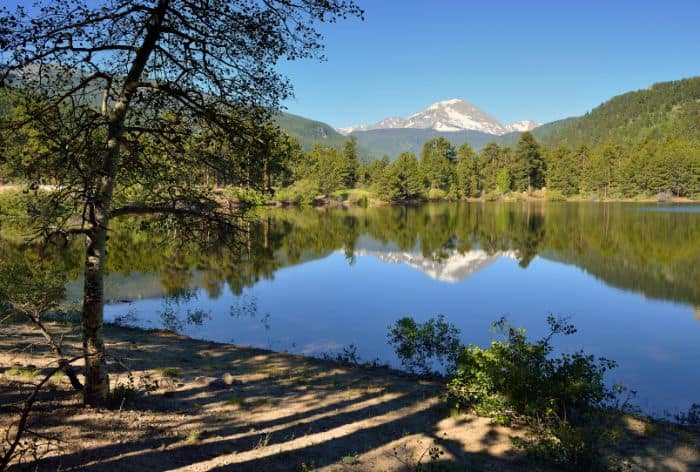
(420, 346)
(30, 202)
(437, 194)
(302, 192)
(171, 372)
(691, 417)
(664, 197)
(246, 196)
(554, 196)
(493, 196)
(123, 394)
(562, 398)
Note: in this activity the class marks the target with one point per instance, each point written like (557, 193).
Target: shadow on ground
(221, 407)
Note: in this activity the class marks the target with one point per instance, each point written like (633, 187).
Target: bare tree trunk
(96, 390)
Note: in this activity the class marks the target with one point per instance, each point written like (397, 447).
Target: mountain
(453, 268)
(392, 142)
(447, 116)
(666, 109)
(521, 126)
(308, 132)
(305, 130)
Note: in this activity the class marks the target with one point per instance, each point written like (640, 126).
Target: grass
(193, 437)
(262, 401)
(350, 460)
(123, 394)
(28, 372)
(172, 372)
(236, 401)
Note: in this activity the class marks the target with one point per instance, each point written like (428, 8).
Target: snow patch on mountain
(521, 126)
(448, 115)
(453, 268)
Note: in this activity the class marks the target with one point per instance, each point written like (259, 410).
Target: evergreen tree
(329, 168)
(562, 171)
(601, 169)
(491, 160)
(528, 167)
(376, 169)
(437, 159)
(467, 170)
(351, 162)
(401, 180)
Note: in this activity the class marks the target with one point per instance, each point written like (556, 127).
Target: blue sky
(515, 59)
(537, 59)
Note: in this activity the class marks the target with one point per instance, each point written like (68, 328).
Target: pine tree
(562, 171)
(467, 170)
(402, 179)
(528, 167)
(351, 162)
(437, 159)
(491, 160)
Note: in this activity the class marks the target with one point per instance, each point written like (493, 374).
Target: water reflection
(654, 251)
(315, 280)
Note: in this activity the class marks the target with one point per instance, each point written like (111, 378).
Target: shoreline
(370, 199)
(207, 405)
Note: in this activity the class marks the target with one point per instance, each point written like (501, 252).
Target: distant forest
(644, 143)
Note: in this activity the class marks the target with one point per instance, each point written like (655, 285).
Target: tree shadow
(278, 412)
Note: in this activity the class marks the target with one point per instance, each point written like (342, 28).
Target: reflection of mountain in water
(453, 267)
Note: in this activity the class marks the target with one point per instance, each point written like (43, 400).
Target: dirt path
(222, 407)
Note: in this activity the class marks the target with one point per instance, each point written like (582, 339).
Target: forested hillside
(664, 110)
(308, 132)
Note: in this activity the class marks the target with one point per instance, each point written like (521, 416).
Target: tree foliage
(115, 90)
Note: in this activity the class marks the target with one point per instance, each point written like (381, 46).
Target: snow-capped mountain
(452, 268)
(522, 125)
(448, 115)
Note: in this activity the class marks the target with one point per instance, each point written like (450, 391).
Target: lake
(315, 281)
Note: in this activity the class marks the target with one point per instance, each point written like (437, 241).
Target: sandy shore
(221, 407)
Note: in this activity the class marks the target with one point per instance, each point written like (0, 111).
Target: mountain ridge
(447, 116)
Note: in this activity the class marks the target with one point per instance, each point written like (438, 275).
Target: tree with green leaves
(351, 162)
(119, 73)
(528, 166)
(467, 172)
(562, 171)
(492, 159)
(375, 169)
(437, 163)
(330, 169)
(401, 180)
(601, 169)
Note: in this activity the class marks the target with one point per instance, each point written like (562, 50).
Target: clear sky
(536, 59)
(515, 59)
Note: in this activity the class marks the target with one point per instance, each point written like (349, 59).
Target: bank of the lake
(223, 406)
(314, 280)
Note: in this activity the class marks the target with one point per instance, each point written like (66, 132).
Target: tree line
(607, 171)
(273, 164)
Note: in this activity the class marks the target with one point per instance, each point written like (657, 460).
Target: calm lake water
(314, 281)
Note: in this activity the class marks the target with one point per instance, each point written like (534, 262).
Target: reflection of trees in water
(176, 312)
(652, 252)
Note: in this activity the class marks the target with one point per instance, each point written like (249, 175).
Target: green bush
(421, 346)
(246, 196)
(562, 398)
(555, 196)
(691, 417)
(302, 192)
(28, 202)
(437, 194)
(493, 196)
